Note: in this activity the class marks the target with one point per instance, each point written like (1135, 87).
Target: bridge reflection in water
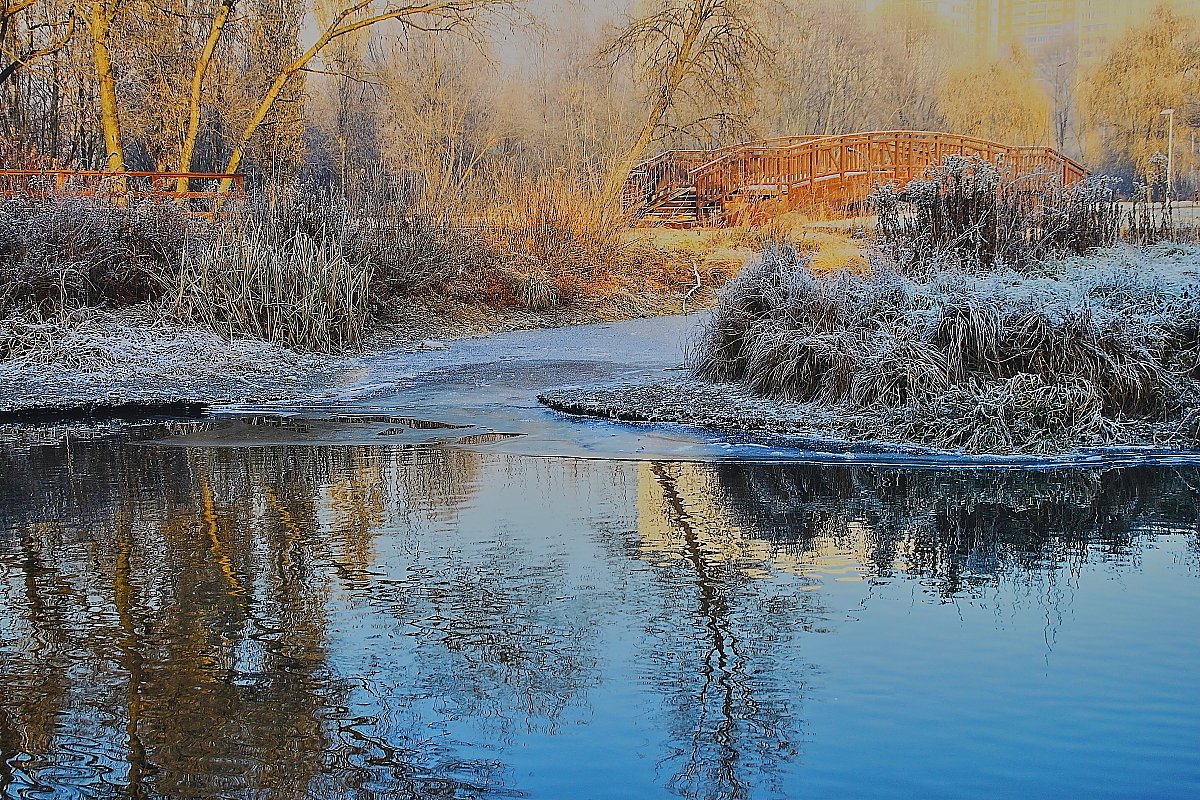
(686, 188)
(300, 621)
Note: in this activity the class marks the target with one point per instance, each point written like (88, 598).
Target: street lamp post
(1169, 113)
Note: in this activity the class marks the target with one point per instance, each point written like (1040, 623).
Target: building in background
(1076, 32)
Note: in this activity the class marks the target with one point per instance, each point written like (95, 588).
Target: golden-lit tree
(999, 100)
(438, 121)
(699, 53)
(1152, 67)
(435, 15)
(172, 83)
(99, 17)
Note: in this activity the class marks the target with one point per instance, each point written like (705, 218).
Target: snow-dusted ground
(94, 359)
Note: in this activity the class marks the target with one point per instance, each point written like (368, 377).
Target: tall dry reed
(313, 268)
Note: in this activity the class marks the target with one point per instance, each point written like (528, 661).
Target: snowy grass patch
(91, 357)
(1085, 351)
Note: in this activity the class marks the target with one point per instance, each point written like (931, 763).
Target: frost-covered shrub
(61, 251)
(979, 361)
(965, 213)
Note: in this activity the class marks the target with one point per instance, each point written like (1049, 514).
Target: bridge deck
(689, 188)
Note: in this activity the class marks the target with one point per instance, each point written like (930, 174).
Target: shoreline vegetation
(1098, 352)
(988, 321)
(977, 318)
(103, 304)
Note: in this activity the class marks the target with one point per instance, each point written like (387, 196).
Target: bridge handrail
(710, 191)
(668, 154)
(891, 135)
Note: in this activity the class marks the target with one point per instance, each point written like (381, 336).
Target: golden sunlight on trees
(335, 90)
(437, 15)
(99, 16)
(839, 69)
(695, 53)
(999, 100)
(216, 27)
(1153, 67)
(178, 85)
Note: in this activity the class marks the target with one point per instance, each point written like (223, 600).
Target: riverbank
(98, 363)
(95, 363)
(105, 306)
(730, 408)
(1085, 353)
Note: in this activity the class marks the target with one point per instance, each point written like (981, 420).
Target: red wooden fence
(125, 185)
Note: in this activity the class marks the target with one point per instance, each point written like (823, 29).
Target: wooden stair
(676, 210)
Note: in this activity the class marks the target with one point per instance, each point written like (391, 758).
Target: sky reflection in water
(422, 621)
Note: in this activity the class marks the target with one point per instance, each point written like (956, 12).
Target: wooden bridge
(835, 174)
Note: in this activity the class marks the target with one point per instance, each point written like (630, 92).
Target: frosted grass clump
(973, 213)
(136, 354)
(1091, 352)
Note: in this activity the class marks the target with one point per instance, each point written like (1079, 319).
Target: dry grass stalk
(964, 212)
(315, 269)
(996, 362)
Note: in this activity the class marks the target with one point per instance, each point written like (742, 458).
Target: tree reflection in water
(960, 530)
(167, 628)
(714, 531)
(296, 621)
(717, 640)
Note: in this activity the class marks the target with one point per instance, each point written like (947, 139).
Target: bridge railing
(842, 169)
(654, 180)
(202, 194)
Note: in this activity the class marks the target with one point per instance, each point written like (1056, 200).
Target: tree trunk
(195, 93)
(680, 67)
(455, 13)
(620, 171)
(260, 114)
(99, 22)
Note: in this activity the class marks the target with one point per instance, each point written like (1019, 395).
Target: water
(410, 619)
(423, 584)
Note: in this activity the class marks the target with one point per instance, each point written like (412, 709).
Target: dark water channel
(306, 614)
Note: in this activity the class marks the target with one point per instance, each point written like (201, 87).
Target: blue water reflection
(426, 621)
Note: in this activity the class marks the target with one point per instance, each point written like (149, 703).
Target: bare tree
(1058, 72)
(20, 57)
(439, 120)
(216, 28)
(701, 51)
(436, 15)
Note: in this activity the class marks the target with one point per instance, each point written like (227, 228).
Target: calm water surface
(415, 620)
